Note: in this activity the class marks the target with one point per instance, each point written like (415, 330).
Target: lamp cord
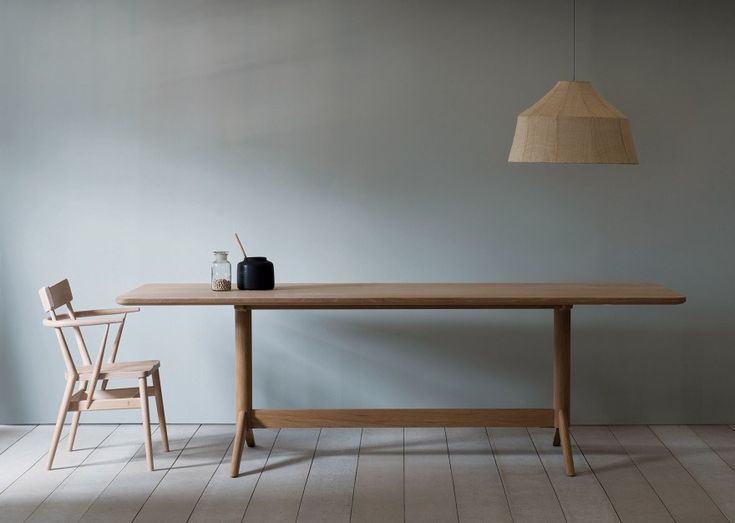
(574, 40)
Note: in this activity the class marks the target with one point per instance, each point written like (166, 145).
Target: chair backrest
(56, 295)
(53, 297)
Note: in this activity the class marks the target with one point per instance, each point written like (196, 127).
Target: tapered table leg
(243, 385)
(562, 373)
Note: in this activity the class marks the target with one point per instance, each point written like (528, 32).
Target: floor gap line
(166, 473)
(260, 474)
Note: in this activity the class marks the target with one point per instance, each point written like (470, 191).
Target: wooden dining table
(560, 297)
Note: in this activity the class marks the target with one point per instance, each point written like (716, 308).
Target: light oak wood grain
(90, 373)
(333, 418)
(243, 386)
(406, 295)
(559, 296)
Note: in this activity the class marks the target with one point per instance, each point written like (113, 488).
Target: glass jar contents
(221, 272)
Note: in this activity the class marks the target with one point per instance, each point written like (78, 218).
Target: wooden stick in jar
(241, 247)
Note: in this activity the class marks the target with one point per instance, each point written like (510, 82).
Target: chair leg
(143, 387)
(73, 429)
(63, 408)
(159, 408)
(75, 422)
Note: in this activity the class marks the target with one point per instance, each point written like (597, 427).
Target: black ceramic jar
(255, 273)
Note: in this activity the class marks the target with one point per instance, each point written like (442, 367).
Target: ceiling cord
(574, 40)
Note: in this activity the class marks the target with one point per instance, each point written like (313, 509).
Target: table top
(407, 295)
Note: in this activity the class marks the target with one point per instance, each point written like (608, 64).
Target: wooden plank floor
(625, 473)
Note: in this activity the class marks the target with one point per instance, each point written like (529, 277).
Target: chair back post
(71, 368)
(83, 352)
(58, 295)
(53, 297)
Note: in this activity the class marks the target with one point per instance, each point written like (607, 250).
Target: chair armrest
(82, 322)
(106, 312)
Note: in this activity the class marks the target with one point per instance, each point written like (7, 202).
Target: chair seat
(124, 369)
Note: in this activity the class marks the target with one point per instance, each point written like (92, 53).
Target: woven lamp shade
(572, 123)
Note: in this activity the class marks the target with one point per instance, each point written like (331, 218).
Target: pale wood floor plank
(125, 495)
(25, 453)
(331, 481)
(706, 467)
(630, 493)
(21, 498)
(582, 498)
(10, 434)
(176, 495)
(429, 490)
(324, 477)
(721, 439)
(530, 494)
(76, 494)
(378, 494)
(225, 499)
(478, 488)
(278, 493)
(683, 497)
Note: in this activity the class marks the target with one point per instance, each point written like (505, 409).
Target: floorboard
(225, 499)
(123, 497)
(78, 491)
(176, 496)
(706, 467)
(478, 489)
(721, 439)
(10, 434)
(632, 496)
(331, 481)
(637, 473)
(429, 488)
(581, 497)
(683, 497)
(279, 491)
(29, 491)
(21, 456)
(378, 493)
(530, 494)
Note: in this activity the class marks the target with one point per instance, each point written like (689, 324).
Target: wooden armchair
(89, 373)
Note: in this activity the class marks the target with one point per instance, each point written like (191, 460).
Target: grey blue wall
(367, 141)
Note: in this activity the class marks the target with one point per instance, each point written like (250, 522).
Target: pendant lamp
(572, 123)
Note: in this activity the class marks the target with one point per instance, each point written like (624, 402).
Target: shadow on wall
(471, 364)
(374, 359)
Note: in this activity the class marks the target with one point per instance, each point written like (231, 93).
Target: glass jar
(221, 272)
